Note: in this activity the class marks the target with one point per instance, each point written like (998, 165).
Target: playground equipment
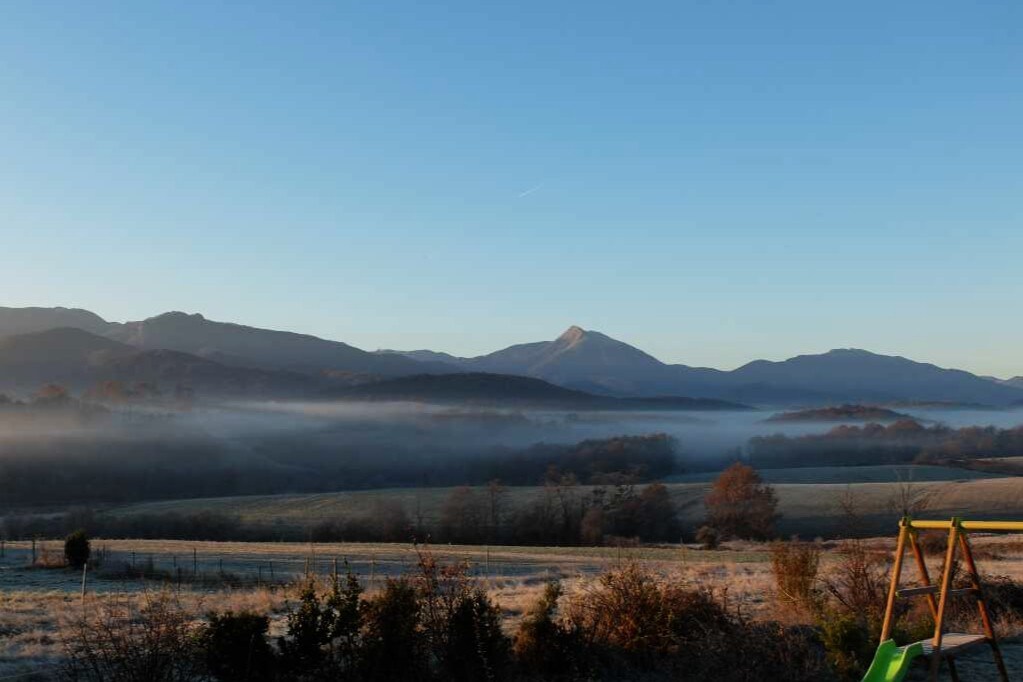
(892, 662)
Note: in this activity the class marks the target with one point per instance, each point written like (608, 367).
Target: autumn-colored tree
(741, 505)
(52, 394)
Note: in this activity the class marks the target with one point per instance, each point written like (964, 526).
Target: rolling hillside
(480, 388)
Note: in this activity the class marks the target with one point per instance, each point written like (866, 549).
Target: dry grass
(36, 603)
(810, 509)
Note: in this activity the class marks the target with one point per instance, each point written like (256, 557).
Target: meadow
(39, 604)
(814, 506)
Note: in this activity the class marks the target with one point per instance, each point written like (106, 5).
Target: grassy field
(809, 509)
(36, 604)
(882, 473)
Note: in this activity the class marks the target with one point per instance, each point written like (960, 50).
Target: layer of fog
(705, 439)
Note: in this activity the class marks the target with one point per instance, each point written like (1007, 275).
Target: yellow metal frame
(957, 540)
(985, 526)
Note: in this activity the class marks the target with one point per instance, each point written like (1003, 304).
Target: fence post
(85, 571)
(195, 563)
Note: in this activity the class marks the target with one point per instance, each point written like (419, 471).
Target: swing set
(891, 661)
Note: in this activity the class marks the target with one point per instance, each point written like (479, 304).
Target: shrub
(235, 647)
(155, 643)
(475, 647)
(849, 641)
(343, 621)
(303, 648)
(544, 647)
(741, 505)
(461, 625)
(638, 626)
(795, 566)
(77, 549)
(708, 537)
(859, 581)
(394, 647)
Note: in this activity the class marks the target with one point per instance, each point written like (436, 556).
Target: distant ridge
(80, 360)
(597, 363)
(481, 388)
(240, 345)
(578, 359)
(15, 321)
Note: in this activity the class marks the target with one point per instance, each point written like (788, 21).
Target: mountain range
(594, 362)
(77, 347)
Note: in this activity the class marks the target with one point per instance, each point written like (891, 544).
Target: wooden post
(921, 566)
(259, 576)
(272, 578)
(33, 551)
(220, 563)
(195, 562)
(985, 617)
(85, 570)
(333, 570)
(889, 609)
(946, 580)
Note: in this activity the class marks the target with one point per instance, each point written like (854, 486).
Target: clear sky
(710, 181)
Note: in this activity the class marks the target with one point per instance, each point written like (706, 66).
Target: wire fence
(203, 567)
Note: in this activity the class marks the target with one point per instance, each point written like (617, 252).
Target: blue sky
(710, 181)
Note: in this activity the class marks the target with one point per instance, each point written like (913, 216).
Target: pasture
(38, 604)
(818, 505)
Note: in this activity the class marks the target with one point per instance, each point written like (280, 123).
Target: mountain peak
(573, 335)
(178, 315)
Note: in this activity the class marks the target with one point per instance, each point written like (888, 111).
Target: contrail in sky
(530, 191)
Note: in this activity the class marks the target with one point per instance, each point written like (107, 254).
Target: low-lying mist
(80, 453)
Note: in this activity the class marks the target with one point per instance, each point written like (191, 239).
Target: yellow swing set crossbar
(986, 526)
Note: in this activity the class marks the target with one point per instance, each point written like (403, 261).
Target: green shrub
(236, 649)
(77, 549)
(303, 649)
(849, 641)
(544, 647)
(393, 645)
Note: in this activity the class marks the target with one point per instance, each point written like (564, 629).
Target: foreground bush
(77, 549)
(439, 624)
(154, 643)
(234, 647)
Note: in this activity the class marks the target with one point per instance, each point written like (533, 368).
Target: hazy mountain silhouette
(595, 362)
(482, 388)
(584, 360)
(64, 355)
(30, 320)
(856, 374)
(239, 345)
(77, 359)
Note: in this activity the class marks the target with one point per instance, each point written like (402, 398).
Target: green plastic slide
(892, 662)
